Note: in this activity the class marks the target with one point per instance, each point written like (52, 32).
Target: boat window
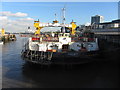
(82, 45)
(90, 45)
(51, 46)
(65, 47)
(78, 45)
(66, 35)
(60, 34)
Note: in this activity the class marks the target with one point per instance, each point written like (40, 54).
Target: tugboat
(60, 44)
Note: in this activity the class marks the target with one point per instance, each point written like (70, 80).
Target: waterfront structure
(109, 31)
(6, 37)
(108, 25)
(96, 19)
(2, 32)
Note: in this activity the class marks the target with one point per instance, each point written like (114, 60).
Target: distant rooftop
(97, 16)
(114, 21)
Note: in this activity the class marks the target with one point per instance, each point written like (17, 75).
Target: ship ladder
(22, 53)
(31, 56)
(35, 56)
(27, 55)
(50, 54)
(41, 55)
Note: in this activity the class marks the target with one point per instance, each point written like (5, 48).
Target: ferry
(59, 44)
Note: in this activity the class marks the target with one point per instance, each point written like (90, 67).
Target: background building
(115, 24)
(97, 19)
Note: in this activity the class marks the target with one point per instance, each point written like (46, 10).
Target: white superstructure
(62, 43)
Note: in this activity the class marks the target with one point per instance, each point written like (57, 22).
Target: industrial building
(97, 19)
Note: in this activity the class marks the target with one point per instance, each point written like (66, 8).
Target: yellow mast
(37, 26)
(2, 31)
(73, 28)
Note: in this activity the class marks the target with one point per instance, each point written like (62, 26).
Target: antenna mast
(55, 17)
(63, 21)
(63, 12)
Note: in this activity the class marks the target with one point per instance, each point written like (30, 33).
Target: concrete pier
(110, 35)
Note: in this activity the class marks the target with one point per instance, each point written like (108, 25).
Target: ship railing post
(31, 55)
(96, 40)
(28, 53)
(41, 55)
(35, 55)
(50, 54)
(44, 55)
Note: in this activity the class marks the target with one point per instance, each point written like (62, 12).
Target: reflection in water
(18, 74)
(85, 75)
